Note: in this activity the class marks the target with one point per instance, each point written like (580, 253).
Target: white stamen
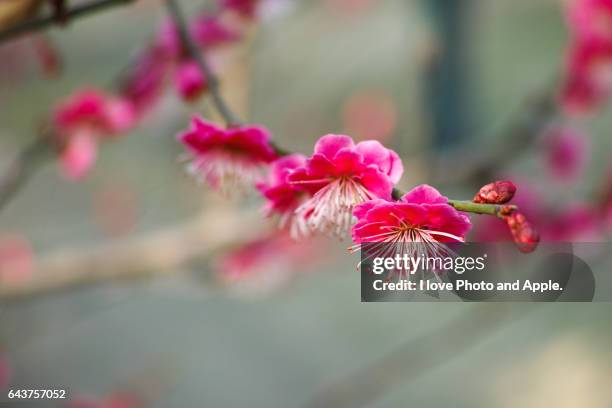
(226, 172)
(297, 226)
(330, 210)
(408, 240)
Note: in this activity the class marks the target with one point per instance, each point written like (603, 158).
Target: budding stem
(471, 207)
(478, 208)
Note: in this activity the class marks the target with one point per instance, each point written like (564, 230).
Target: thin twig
(199, 57)
(496, 210)
(39, 23)
(470, 206)
(22, 168)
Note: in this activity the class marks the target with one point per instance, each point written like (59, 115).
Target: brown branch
(22, 168)
(42, 22)
(416, 357)
(199, 57)
(29, 159)
(157, 254)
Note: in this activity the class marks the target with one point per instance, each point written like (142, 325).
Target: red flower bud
(498, 192)
(524, 235)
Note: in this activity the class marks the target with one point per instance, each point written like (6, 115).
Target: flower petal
(376, 182)
(330, 144)
(424, 194)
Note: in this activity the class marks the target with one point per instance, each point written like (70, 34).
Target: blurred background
(444, 83)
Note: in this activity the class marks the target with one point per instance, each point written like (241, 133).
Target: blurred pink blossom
(211, 31)
(588, 75)
(566, 151)
(143, 83)
(81, 121)
(370, 115)
(590, 18)
(94, 111)
(16, 258)
(588, 78)
(208, 31)
(189, 80)
(267, 262)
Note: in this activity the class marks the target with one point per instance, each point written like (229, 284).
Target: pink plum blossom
(589, 62)
(227, 158)
(266, 262)
(189, 80)
(283, 197)
(93, 110)
(143, 84)
(421, 215)
(421, 222)
(566, 152)
(210, 31)
(341, 174)
(84, 119)
(207, 31)
(588, 77)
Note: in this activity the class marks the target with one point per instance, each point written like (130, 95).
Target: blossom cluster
(166, 57)
(342, 187)
(90, 116)
(81, 121)
(589, 61)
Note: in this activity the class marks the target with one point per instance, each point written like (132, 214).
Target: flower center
(330, 210)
